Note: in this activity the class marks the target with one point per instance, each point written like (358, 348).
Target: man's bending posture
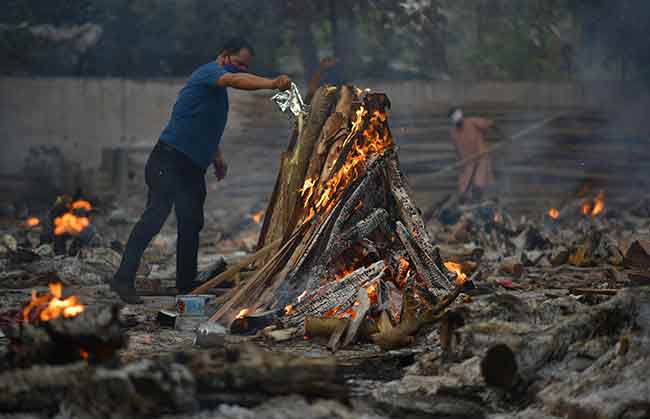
(175, 170)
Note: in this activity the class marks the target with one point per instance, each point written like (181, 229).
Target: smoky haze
(108, 73)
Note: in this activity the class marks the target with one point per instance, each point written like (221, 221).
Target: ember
(257, 217)
(599, 204)
(32, 222)
(596, 208)
(52, 305)
(554, 213)
(457, 269)
(71, 222)
(242, 313)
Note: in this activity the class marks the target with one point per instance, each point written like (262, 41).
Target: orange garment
(469, 141)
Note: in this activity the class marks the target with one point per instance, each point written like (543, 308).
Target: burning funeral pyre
(342, 239)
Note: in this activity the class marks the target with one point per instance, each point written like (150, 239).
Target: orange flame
(554, 213)
(69, 223)
(372, 293)
(457, 269)
(81, 204)
(585, 209)
(599, 204)
(288, 309)
(404, 273)
(55, 306)
(242, 313)
(373, 140)
(257, 217)
(32, 222)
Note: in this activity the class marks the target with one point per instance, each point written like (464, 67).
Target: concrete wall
(82, 116)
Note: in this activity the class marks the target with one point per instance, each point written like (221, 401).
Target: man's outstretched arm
(246, 81)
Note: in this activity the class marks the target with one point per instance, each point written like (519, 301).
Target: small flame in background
(599, 204)
(554, 213)
(51, 305)
(457, 269)
(257, 216)
(242, 313)
(70, 222)
(81, 204)
(589, 209)
(498, 218)
(32, 222)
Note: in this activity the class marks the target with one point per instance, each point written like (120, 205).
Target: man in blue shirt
(175, 170)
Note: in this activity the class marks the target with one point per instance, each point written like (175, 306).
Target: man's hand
(282, 82)
(220, 169)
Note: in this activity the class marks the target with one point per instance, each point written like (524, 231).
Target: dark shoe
(126, 292)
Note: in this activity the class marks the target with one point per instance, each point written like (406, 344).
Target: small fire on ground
(594, 208)
(554, 213)
(32, 222)
(51, 305)
(74, 221)
(458, 270)
(242, 313)
(257, 216)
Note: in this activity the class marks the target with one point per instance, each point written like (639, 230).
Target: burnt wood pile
(341, 228)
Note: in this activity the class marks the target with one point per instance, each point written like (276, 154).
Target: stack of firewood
(341, 237)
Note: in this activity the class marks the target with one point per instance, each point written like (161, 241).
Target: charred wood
(339, 294)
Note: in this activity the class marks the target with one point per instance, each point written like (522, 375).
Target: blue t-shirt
(199, 116)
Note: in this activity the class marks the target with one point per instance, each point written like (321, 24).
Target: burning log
(59, 330)
(334, 296)
(93, 335)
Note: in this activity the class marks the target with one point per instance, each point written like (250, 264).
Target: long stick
(495, 147)
(237, 267)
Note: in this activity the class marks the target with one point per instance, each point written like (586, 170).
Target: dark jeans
(173, 180)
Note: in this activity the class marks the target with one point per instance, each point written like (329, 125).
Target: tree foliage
(476, 39)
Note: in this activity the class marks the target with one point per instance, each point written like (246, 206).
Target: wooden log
(435, 280)
(419, 240)
(360, 312)
(377, 219)
(336, 337)
(321, 107)
(334, 294)
(250, 375)
(95, 334)
(275, 214)
(242, 294)
(142, 389)
(324, 327)
(512, 357)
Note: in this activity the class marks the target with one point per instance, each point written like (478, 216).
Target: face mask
(457, 116)
(231, 68)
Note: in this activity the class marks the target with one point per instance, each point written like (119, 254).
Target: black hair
(452, 110)
(234, 45)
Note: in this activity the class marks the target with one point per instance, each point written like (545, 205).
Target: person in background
(468, 136)
(175, 170)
